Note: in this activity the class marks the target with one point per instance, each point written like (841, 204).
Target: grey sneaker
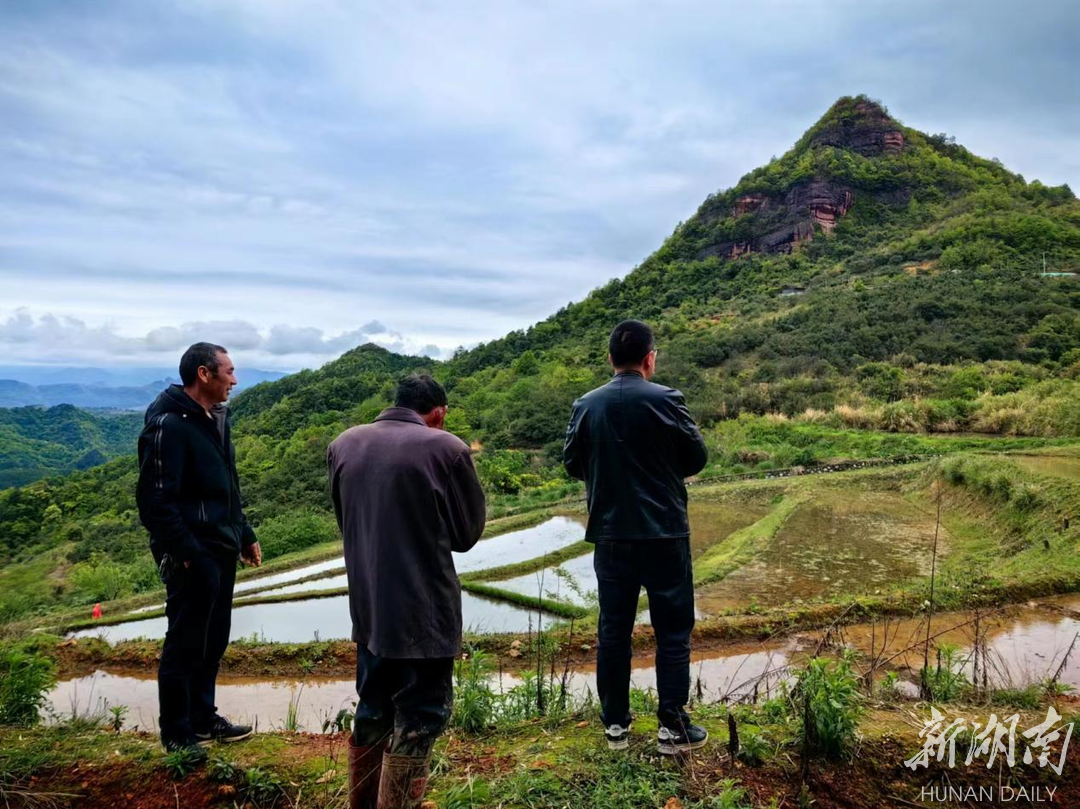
(618, 737)
(669, 742)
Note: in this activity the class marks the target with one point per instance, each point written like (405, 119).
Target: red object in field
(97, 611)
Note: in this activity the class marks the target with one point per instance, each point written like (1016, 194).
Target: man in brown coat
(406, 494)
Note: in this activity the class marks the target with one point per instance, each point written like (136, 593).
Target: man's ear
(609, 362)
(435, 418)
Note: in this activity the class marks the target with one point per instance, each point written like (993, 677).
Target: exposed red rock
(749, 204)
(784, 221)
(872, 133)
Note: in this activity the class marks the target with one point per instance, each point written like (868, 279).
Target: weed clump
(828, 699)
(25, 680)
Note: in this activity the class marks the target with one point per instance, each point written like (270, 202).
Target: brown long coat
(405, 496)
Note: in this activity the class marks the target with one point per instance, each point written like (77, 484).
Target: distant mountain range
(36, 442)
(113, 389)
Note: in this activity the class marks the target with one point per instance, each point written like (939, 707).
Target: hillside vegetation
(36, 442)
(872, 283)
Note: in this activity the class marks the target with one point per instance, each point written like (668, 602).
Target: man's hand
(251, 555)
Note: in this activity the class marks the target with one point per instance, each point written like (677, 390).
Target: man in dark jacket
(189, 500)
(634, 443)
(406, 494)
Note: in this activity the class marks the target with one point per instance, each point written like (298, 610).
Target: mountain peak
(858, 124)
(849, 155)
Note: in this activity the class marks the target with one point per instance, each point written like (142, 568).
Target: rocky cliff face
(784, 221)
(869, 132)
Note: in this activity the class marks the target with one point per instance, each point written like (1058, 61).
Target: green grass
(560, 608)
(553, 559)
(761, 443)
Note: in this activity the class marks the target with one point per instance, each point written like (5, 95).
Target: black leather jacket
(633, 443)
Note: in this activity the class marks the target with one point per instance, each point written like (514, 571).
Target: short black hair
(631, 341)
(419, 392)
(197, 356)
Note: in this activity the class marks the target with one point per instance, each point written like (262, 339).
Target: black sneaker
(189, 746)
(618, 737)
(222, 730)
(670, 742)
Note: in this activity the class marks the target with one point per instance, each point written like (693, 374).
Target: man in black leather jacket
(634, 443)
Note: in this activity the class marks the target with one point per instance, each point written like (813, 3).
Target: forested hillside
(36, 442)
(872, 278)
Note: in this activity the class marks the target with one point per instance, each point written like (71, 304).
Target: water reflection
(317, 700)
(245, 700)
(1027, 646)
(300, 621)
(290, 575)
(504, 549)
(327, 583)
(573, 582)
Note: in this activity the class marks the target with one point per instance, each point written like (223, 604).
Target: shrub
(296, 531)
(99, 579)
(827, 698)
(474, 701)
(946, 682)
(25, 680)
(104, 579)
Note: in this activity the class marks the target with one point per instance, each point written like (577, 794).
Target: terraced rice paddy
(833, 544)
(712, 522)
(804, 542)
(319, 618)
(1064, 466)
(573, 582)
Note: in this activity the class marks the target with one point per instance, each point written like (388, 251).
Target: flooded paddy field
(318, 619)
(503, 549)
(1063, 466)
(833, 544)
(572, 582)
(712, 522)
(510, 548)
(259, 582)
(796, 542)
(1027, 645)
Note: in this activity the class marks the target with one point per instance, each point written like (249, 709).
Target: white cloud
(68, 339)
(285, 172)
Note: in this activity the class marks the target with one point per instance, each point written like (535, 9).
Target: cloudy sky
(293, 179)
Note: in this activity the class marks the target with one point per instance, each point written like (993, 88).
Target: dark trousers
(198, 606)
(407, 701)
(662, 567)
